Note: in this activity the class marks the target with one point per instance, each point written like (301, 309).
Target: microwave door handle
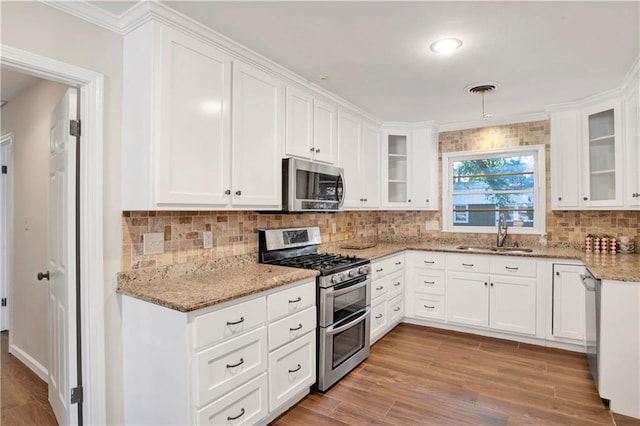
(344, 190)
(331, 330)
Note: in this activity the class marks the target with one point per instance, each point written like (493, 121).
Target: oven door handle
(336, 293)
(331, 330)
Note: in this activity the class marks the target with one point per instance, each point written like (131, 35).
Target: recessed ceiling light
(446, 45)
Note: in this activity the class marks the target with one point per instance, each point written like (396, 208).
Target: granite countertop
(186, 288)
(618, 267)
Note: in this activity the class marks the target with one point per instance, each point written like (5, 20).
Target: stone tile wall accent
(234, 232)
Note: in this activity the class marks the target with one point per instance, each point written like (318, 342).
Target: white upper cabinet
(565, 152)
(602, 155)
(179, 147)
(311, 127)
(410, 168)
(257, 117)
(632, 147)
(359, 157)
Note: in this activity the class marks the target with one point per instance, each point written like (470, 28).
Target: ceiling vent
(481, 89)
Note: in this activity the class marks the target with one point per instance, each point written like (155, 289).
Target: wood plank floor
(24, 396)
(426, 376)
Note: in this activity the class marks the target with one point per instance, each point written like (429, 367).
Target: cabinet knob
(238, 193)
(312, 149)
(485, 284)
(636, 195)
(365, 200)
(585, 198)
(227, 192)
(318, 150)
(409, 201)
(559, 198)
(491, 284)
(427, 200)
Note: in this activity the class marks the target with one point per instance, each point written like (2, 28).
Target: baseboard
(28, 360)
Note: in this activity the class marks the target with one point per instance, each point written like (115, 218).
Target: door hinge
(4, 170)
(75, 128)
(3, 302)
(76, 395)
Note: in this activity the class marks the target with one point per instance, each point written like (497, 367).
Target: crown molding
(408, 125)
(491, 122)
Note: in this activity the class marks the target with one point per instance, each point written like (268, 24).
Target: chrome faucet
(502, 230)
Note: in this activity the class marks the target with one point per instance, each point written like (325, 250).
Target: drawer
(291, 327)
(515, 266)
(379, 319)
(232, 321)
(226, 366)
(396, 310)
(291, 300)
(428, 281)
(431, 307)
(379, 288)
(245, 405)
(430, 260)
(396, 284)
(467, 263)
(292, 368)
(386, 266)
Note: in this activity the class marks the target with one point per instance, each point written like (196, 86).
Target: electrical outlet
(153, 243)
(207, 239)
(333, 228)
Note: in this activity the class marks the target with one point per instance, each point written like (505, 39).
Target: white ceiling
(12, 83)
(376, 54)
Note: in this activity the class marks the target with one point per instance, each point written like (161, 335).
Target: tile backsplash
(236, 233)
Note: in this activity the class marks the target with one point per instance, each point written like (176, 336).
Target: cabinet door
(325, 131)
(513, 304)
(632, 148)
(370, 148)
(568, 302)
(395, 169)
(257, 138)
(565, 155)
(192, 154)
(467, 299)
(299, 123)
(349, 141)
(424, 169)
(379, 319)
(602, 156)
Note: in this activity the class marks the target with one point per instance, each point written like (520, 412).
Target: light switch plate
(207, 239)
(153, 243)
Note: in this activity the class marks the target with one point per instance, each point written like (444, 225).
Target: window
(478, 186)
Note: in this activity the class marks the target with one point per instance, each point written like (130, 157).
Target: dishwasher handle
(588, 282)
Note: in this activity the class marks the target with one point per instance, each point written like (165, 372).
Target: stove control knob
(337, 278)
(352, 273)
(363, 270)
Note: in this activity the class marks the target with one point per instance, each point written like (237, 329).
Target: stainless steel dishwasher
(593, 289)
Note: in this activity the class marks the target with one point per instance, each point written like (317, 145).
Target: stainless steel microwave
(311, 187)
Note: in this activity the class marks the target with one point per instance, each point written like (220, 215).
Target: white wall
(27, 116)
(35, 27)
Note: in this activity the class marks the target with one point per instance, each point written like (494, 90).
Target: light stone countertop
(199, 285)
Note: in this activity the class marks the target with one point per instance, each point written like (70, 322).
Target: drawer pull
(379, 288)
(296, 369)
(470, 265)
(238, 416)
(236, 365)
(378, 316)
(430, 282)
(396, 309)
(241, 320)
(296, 300)
(397, 284)
(398, 263)
(380, 270)
(509, 268)
(296, 328)
(429, 307)
(429, 262)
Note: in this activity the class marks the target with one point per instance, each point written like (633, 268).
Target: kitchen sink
(493, 249)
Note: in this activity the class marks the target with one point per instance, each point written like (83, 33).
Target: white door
(349, 135)
(62, 264)
(370, 165)
(568, 302)
(513, 304)
(325, 132)
(468, 299)
(299, 123)
(5, 205)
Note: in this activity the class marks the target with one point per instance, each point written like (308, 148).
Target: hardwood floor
(24, 399)
(426, 376)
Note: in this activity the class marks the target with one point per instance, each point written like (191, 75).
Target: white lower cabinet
(428, 306)
(245, 405)
(242, 362)
(468, 299)
(387, 295)
(568, 303)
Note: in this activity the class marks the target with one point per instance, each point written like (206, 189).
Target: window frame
(539, 190)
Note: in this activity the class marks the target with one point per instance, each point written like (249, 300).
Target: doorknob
(42, 276)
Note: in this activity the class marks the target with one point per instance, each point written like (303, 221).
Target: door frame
(7, 234)
(91, 90)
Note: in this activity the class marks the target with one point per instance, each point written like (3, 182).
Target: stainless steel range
(343, 297)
